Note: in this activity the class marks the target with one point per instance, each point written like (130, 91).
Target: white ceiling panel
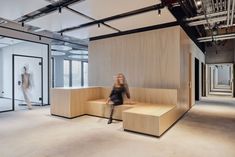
(10, 41)
(13, 9)
(88, 32)
(99, 9)
(143, 20)
(56, 21)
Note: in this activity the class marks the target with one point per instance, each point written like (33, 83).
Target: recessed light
(78, 56)
(78, 52)
(57, 53)
(61, 47)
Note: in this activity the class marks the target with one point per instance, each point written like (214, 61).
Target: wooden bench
(153, 113)
(101, 109)
(149, 119)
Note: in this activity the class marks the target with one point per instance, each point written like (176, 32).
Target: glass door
(28, 81)
(5, 84)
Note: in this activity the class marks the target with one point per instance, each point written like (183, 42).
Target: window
(52, 72)
(76, 74)
(66, 73)
(85, 73)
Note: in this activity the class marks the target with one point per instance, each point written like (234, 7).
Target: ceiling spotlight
(60, 10)
(98, 25)
(198, 3)
(159, 12)
(57, 53)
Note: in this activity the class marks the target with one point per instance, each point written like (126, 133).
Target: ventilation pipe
(232, 12)
(228, 13)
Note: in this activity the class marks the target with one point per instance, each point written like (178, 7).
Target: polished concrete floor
(207, 130)
(6, 104)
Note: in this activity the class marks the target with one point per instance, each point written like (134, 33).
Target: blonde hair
(124, 79)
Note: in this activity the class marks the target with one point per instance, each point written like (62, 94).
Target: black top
(116, 95)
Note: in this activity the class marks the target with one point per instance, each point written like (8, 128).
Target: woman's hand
(107, 101)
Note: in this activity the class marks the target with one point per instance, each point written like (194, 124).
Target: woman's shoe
(110, 120)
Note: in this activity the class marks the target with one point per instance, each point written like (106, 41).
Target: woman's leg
(26, 97)
(111, 112)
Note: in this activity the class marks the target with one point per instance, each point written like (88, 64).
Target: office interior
(177, 57)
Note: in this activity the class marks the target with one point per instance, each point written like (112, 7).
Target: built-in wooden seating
(153, 112)
(101, 109)
(153, 119)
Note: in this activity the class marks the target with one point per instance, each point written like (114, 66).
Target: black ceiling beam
(90, 18)
(138, 30)
(43, 36)
(48, 9)
(127, 14)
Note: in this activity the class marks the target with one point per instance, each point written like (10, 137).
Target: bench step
(153, 119)
(99, 108)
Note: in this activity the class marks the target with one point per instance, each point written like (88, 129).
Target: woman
(120, 88)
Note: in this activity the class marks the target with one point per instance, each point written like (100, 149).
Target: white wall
(24, 48)
(224, 75)
(1, 73)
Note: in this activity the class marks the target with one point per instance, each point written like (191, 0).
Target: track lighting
(159, 12)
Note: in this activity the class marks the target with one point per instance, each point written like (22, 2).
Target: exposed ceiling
(213, 19)
(84, 19)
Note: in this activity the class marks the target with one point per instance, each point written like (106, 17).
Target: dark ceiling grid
(43, 36)
(48, 9)
(90, 18)
(138, 30)
(115, 17)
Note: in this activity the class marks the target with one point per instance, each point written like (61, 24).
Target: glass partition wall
(23, 74)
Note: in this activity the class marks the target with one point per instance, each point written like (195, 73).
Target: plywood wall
(153, 59)
(148, 59)
(188, 49)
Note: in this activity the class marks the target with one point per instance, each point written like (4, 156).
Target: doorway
(220, 79)
(203, 79)
(197, 80)
(34, 66)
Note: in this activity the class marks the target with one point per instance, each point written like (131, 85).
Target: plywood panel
(148, 95)
(148, 59)
(188, 48)
(150, 119)
(59, 102)
(70, 102)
